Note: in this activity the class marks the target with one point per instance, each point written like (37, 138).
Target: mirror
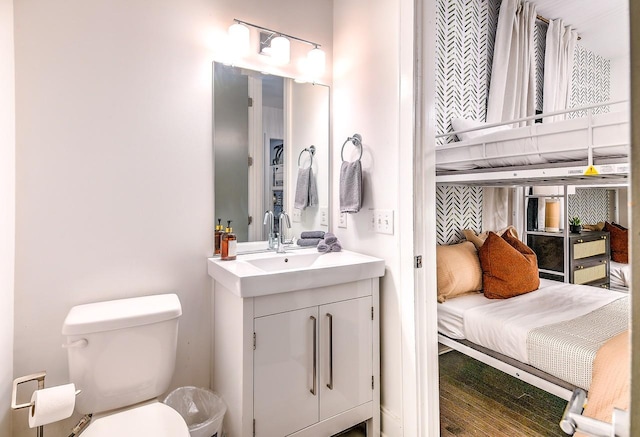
(264, 127)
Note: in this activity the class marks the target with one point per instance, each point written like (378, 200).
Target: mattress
(620, 275)
(502, 325)
(541, 143)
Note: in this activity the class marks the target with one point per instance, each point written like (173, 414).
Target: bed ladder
(573, 420)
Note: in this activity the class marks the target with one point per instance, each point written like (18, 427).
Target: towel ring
(311, 150)
(356, 140)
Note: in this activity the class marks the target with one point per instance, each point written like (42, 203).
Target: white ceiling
(603, 25)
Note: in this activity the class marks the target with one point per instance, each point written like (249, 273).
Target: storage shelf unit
(562, 256)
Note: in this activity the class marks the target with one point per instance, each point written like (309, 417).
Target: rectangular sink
(260, 274)
(285, 262)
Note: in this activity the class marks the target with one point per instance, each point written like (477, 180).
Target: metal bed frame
(589, 171)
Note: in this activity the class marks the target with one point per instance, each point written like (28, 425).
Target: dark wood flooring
(478, 400)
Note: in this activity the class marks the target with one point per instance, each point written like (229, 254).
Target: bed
(541, 333)
(539, 337)
(620, 276)
(561, 149)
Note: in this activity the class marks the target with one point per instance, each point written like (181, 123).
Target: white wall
(114, 178)
(7, 210)
(114, 165)
(371, 94)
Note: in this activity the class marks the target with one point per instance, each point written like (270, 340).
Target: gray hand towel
(323, 247)
(312, 234)
(306, 189)
(308, 242)
(350, 186)
(335, 247)
(330, 238)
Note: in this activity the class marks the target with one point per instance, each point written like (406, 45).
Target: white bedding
(545, 143)
(620, 275)
(502, 324)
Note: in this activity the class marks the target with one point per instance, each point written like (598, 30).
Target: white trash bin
(202, 410)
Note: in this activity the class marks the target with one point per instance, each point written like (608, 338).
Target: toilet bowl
(121, 356)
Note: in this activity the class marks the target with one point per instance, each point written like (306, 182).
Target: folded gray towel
(350, 186)
(306, 189)
(312, 234)
(308, 242)
(326, 248)
(330, 238)
(323, 247)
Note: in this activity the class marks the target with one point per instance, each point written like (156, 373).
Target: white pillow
(463, 124)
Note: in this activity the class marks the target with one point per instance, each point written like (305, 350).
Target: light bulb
(280, 50)
(316, 62)
(239, 39)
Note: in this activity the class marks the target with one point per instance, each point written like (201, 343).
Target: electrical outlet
(297, 216)
(342, 220)
(324, 216)
(384, 221)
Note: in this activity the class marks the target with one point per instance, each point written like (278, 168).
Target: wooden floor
(478, 400)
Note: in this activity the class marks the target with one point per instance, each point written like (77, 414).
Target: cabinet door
(285, 365)
(346, 355)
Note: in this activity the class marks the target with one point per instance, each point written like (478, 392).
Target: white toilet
(122, 356)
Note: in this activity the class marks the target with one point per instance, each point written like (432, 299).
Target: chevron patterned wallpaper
(457, 208)
(590, 204)
(591, 80)
(540, 46)
(462, 61)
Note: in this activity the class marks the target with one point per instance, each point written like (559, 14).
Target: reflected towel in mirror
(308, 242)
(306, 190)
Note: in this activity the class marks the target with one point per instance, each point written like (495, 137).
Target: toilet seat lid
(156, 419)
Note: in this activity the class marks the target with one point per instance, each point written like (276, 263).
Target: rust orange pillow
(509, 267)
(619, 238)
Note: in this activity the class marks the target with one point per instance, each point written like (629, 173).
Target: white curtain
(558, 66)
(511, 95)
(512, 87)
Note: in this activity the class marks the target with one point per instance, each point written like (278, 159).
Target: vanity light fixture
(277, 45)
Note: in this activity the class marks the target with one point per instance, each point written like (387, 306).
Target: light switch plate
(296, 216)
(324, 216)
(384, 221)
(342, 220)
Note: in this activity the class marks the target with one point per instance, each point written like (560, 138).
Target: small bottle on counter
(217, 238)
(228, 244)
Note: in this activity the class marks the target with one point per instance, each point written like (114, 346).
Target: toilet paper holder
(14, 393)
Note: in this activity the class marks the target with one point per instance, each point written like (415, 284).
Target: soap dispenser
(228, 244)
(217, 238)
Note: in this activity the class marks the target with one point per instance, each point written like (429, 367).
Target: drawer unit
(589, 255)
(587, 260)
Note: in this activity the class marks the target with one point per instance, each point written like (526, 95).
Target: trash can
(202, 409)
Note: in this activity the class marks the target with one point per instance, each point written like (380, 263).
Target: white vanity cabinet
(300, 363)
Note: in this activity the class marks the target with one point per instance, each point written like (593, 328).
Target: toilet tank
(121, 352)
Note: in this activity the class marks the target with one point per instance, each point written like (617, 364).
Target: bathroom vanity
(296, 342)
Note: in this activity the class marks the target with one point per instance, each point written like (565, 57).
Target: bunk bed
(591, 150)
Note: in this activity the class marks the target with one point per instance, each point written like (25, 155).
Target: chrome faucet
(283, 219)
(268, 220)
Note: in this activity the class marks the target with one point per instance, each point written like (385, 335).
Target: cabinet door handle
(315, 357)
(330, 385)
